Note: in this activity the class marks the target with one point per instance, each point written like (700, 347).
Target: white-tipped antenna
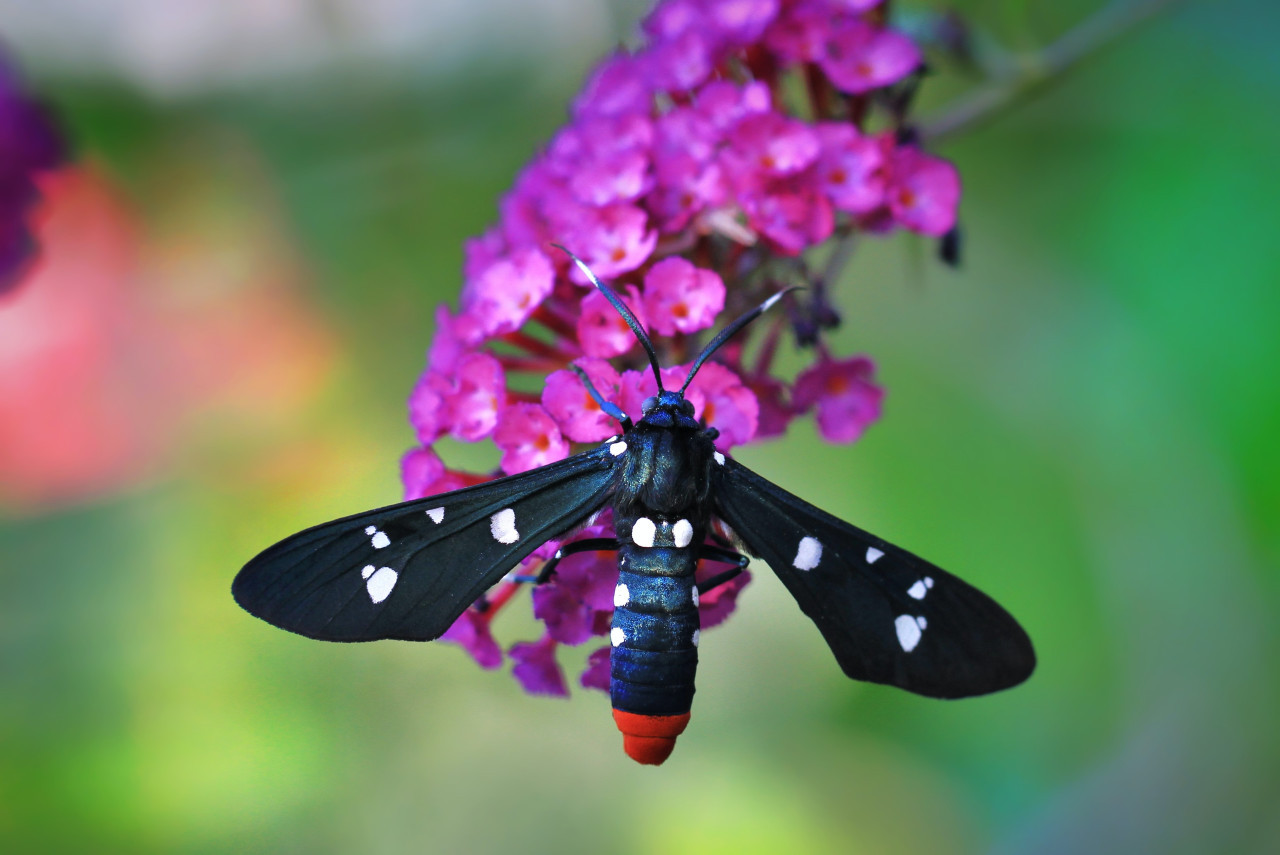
(732, 330)
(631, 319)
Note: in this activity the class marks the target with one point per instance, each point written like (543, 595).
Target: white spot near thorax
(437, 515)
(621, 596)
(873, 554)
(683, 533)
(808, 554)
(642, 532)
(719, 458)
(617, 636)
(380, 582)
(503, 526)
(617, 448)
(908, 632)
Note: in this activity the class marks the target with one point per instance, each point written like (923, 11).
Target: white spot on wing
(617, 448)
(683, 533)
(928, 581)
(617, 636)
(643, 531)
(370, 529)
(873, 554)
(918, 590)
(503, 526)
(437, 515)
(719, 458)
(921, 622)
(808, 554)
(367, 571)
(908, 632)
(380, 540)
(381, 583)
(621, 596)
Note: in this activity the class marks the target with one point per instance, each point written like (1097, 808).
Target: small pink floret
(845, 395)
(529, 438)
(681, 297)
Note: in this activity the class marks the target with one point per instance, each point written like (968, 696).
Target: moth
(408, 571)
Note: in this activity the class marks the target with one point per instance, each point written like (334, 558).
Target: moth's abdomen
(654, 637)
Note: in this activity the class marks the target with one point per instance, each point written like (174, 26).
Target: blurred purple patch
(29, 144)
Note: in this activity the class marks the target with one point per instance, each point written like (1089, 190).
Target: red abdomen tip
(649, 739)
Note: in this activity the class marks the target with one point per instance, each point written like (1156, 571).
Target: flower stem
(1042, 68)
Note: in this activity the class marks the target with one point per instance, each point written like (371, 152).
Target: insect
(408, 571)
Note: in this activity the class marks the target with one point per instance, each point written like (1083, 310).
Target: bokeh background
(269, 200)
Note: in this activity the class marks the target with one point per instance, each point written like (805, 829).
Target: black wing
(408, 571)
(889, 616)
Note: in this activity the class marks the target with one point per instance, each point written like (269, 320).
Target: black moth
(408, 571)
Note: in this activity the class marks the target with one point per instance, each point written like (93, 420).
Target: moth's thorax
(666, 472)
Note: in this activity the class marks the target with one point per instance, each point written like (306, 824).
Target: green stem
(1039, 69)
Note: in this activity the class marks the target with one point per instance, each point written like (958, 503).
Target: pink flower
(472, 631)
(850, 168)
(681, 63)
(772, 145)
(923, 191)
(692, 193)
(596, 675)
(468, 405)
(529, 438)
(791, 215)
(680, 297)
(617, 86)
(740, 22)
(846, 397)
(536, 667)
(508, 290)
(860, 57)
(715, 606)
(613, 240)
(579, 416)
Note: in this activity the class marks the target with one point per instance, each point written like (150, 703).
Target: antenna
(632, 321)
(732, 330)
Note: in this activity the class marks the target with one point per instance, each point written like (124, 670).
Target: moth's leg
(728, 556)
(590, 544)
(610, 408)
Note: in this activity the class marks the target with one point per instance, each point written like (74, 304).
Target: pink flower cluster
(692, 172)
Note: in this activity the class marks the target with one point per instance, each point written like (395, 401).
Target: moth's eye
(686, 407)
(649, 405)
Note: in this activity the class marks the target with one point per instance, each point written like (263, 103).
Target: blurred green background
(242, 275)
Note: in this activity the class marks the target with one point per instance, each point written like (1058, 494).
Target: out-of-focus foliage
(1081, 421)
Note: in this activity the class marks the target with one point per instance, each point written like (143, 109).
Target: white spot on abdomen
(908, 631)
(617, 448)
(379, 582)
(873, 554)
(503, 526)
(695, 596)
(621, 596)
(808, 554)
(697, 636)
(683, 533)
(643, 531)
(617, 636)
(437, 515)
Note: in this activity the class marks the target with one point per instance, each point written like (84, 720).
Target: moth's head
(668, 409)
